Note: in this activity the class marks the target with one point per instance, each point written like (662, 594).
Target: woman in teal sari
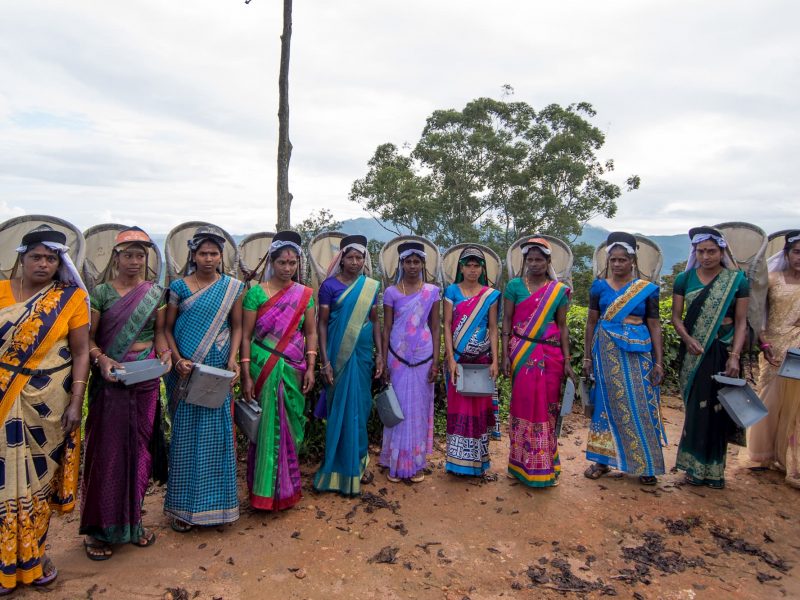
(712, 329)
(348, 335)
(280, 347)
(203, 326)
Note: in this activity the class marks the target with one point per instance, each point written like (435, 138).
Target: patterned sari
(202, 458)
(537, 370)
(470, 419)
(120, 425)
(777, 437)
(626, 430)
(349, 400)
(707, 428)
(277, 366)
(38, 465)
(407, 444)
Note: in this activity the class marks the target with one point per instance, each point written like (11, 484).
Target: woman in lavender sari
(127, 325)
(411, 352)
(279, 344)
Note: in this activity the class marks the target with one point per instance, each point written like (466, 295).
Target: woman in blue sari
(348, 335)
(623, 351)
(203, 326)
(470, 337)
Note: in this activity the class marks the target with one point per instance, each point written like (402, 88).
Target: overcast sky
(154, 112)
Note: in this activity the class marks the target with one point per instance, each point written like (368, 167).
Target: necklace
(201, 288)
(403, 284)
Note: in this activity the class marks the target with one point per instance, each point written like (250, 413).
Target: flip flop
(417, 478)
(149, 539)
(180, 526)
(97, 545)
(4, 591)
(596, 471)
(46, 579)
(648, 480)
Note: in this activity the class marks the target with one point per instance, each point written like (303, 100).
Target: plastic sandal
(596, 471)
(96, 545)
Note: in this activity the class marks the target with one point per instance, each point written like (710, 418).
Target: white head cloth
(625, 246)
(777, 262)
(691, 263)
(336, 264)
(277, 245)
(404, 255)
(67, 272)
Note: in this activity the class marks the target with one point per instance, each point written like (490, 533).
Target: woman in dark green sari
(712, 329)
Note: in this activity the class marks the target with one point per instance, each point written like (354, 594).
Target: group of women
(274, 338)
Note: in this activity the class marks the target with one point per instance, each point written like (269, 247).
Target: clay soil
(456, 538)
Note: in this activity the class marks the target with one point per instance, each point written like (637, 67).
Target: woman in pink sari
(535, 344)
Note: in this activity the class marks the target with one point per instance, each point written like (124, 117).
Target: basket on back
(176, 251)
(99, 244)
(321, 251)
(252, 259)
(11, 233)
(649, 259)
(775, 242)
(494, 266)
(748, 245)
(560, 258)
(389, 257)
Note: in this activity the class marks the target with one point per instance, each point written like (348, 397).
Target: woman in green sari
(279, 345)
(712, 329)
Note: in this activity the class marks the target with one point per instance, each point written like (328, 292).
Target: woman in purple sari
(535, 349)
(127, 325)
(411, 352)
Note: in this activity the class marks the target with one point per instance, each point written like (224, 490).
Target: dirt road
(453, 538)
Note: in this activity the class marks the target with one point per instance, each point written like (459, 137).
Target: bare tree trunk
(284, 144)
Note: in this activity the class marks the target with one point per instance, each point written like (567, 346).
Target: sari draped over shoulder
(776, 439)
(407, 444)
(470, 419)
(537, 371)
(626, 430)
(278, 364)
(349, 399)
(38, 464)
(120, 426)
(707, 428)
(202, 486)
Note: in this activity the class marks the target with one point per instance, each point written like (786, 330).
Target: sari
(470, 419)
(38, 464)
(202, 486)
(707, 428)
(537, 370)
(626, 432)
(120, 424)
(777, 437)
(278, 364)
(407, 444)
(349, 400)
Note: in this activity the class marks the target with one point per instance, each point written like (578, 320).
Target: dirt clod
(374, 503)
(653, 552)
(386, 555)
(176, 593)
(736, 544)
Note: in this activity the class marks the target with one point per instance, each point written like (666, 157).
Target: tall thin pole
(284, 144)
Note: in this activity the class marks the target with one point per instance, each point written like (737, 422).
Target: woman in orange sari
(44, 364)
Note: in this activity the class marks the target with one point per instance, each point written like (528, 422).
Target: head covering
(132, 235)
(704, 233)
(56, 241)
(405, 250)
(622, 239)
(535, 242)
(347, 243)
(205, 233)
(778, 262)
(284, 239)
(471, 254)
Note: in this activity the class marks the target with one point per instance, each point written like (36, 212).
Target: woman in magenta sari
(279, 344)
(411, 324)
(127, 325)
(470, 337)
(535, 345)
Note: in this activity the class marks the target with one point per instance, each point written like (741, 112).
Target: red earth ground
(456, 538)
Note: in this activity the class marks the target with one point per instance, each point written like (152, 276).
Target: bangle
(326, 365)
(658, 365)
(765, 345)
(587, 360)
(244, 360)
(736, 354)
(314, 352)
(97, 359)
(74, 381)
